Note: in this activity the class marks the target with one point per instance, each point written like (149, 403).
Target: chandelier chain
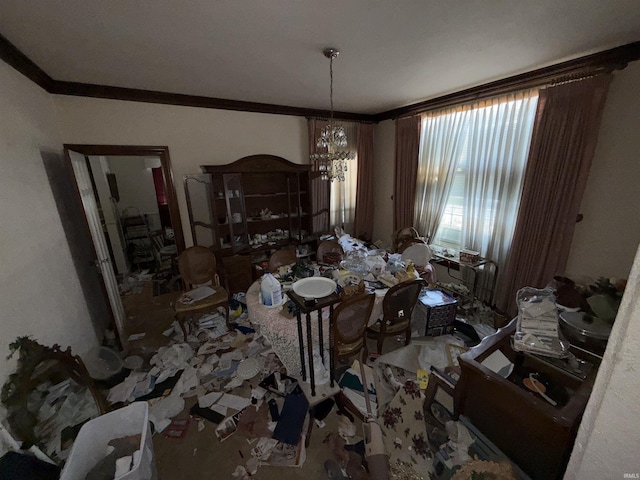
(332, 164)
(331, 88)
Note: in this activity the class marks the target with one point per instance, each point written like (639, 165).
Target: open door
(102, 259)
(77, 157)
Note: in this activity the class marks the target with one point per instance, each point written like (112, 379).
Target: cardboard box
(434, 313)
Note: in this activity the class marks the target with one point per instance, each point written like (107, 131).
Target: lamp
(332, 164)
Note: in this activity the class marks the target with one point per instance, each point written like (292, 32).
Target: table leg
(312, 379)
(301, 345)
(332, 365)
(320, 336)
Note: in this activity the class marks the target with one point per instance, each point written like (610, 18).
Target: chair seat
(393, 328)
(345, 350)
(219, 298)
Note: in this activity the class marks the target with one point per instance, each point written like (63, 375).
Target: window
(472, 162)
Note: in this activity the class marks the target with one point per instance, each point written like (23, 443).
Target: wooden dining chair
(348, 327)
(281, 258)
(397, 308)
(331, 249)
(197, 266)
(403, 235)
(409, 243)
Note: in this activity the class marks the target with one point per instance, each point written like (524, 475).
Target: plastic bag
(537, 329)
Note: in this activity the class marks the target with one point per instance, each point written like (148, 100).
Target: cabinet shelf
(265, 195)
(272, 219)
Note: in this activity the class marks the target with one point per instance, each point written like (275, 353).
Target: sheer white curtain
(470, 174)
(498, 143)
(343, 194)
(439, 151)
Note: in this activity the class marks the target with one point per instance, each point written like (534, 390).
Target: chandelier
(332, 164)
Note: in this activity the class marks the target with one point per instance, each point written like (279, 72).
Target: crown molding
(18, 60)
(601, 62)
(151, 96)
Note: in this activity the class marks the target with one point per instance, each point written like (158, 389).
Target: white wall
(40, 295)
(136, 188)
(605, 242)
(195, 136)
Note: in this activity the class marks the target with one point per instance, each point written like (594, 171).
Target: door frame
(144, 151)
(172, 200)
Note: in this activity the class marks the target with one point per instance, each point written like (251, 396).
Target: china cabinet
(252, 206)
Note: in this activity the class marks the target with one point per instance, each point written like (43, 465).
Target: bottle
(270, 289)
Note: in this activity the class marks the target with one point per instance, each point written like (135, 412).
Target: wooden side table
(306, 307)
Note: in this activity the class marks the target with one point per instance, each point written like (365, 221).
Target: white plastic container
(271, 290)
(102, 363)
(90, 446)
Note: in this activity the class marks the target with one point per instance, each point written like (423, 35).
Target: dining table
(289, 337)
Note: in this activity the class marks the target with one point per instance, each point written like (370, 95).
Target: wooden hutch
(247, 209)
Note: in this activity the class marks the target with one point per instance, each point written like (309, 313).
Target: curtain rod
(588, 66)
(326, 119)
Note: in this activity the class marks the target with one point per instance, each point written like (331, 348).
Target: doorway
(131, 212)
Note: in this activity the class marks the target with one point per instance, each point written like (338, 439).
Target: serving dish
(419, 253)
(314, 287)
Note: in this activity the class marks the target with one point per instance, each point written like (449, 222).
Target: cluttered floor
(221, 405)
(194, 447)
(197, 444)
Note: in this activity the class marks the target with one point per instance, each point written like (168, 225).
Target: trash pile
(49, 397)
(240, 386)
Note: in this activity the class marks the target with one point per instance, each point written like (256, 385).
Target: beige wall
(195, 136)
(40, 294)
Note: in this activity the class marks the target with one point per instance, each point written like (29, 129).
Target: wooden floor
(149, 315)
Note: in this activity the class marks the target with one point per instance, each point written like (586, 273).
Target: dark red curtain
(562, 147)
(363, 221)
(404, 191)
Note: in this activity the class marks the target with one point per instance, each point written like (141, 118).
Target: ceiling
(393, 53)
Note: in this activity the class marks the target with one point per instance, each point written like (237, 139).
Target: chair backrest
(400, 300)
(329, 246)
(350, 318)
(410, 242)
(403, 235)
(280, 258)
(197, 266)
